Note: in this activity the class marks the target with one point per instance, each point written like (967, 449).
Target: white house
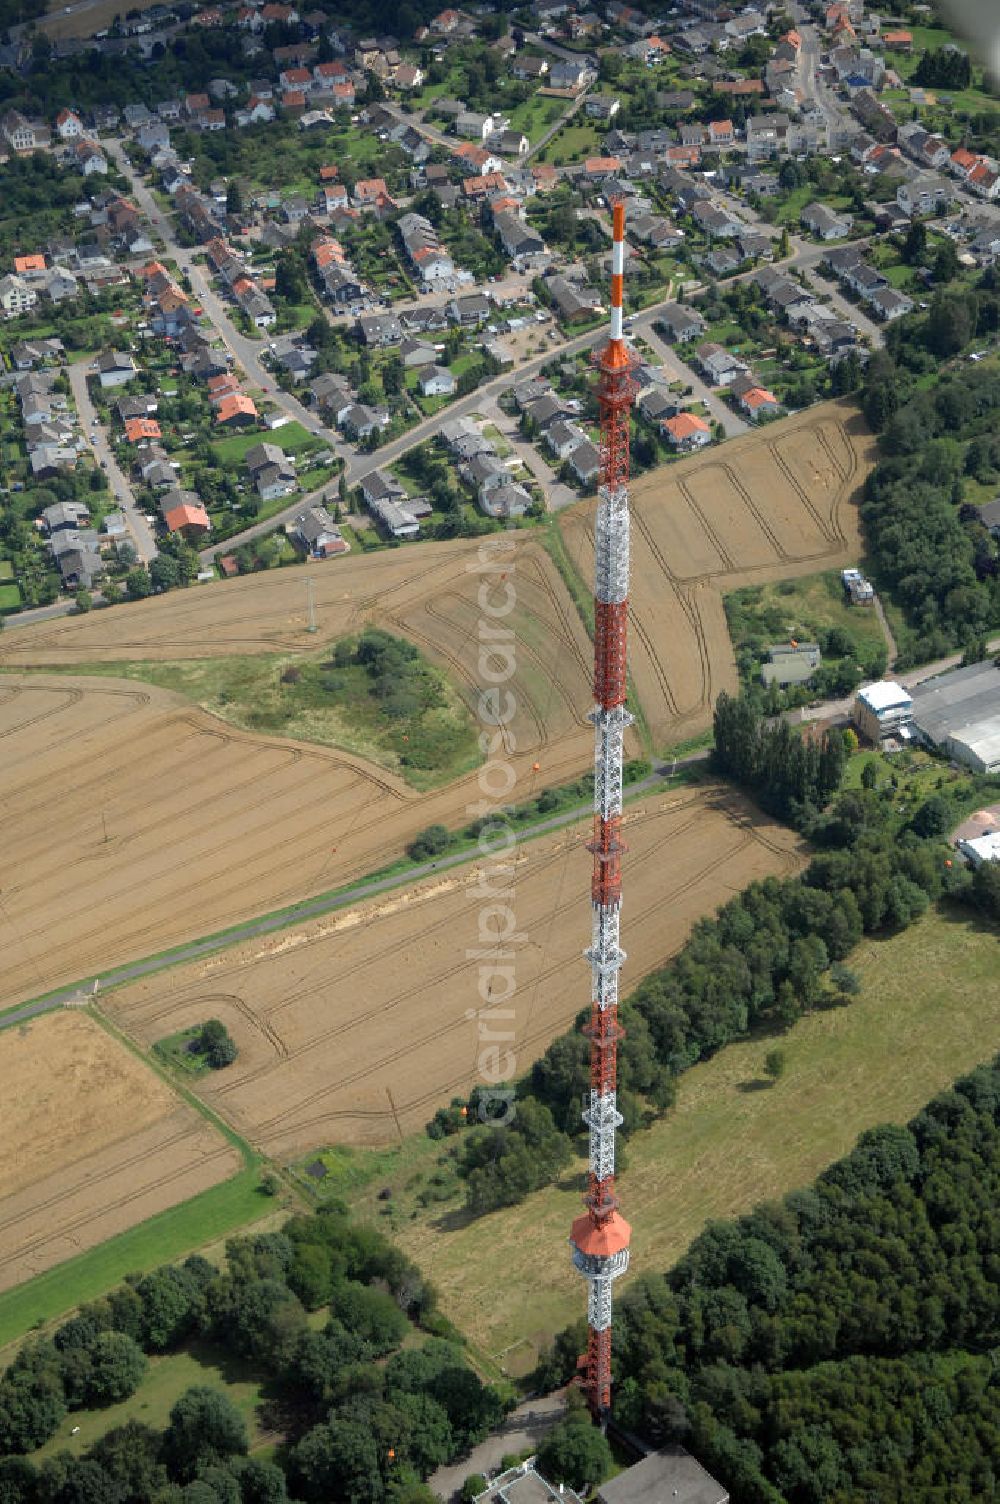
(16, 297)
(436, 381)
(882, 709)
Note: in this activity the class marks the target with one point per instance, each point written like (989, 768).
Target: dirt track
(95, 1142)
(768, 505)
(343, 1021)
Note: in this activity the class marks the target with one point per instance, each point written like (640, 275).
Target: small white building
(882, 709)
(980, 849)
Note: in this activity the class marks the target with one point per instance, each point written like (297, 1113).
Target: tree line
(835, 1346)
(927, 547)
(367, 1418)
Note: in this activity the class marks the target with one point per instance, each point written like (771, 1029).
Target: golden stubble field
(136, 820)
(356, 1027)
(94, 1143)
(768, 505)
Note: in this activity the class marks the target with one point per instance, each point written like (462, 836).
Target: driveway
(142, 534)
(731, 422)
(524, 1427)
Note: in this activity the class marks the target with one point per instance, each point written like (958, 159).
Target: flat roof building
(523, 1485)
(671, 1476)
(959, 714)
(981, 848)
(882, 709)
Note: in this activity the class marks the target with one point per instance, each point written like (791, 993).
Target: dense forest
(836, 1346)
(770, 954)
(369, 1411)
(937, 426)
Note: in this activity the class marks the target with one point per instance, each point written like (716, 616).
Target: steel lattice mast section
(600, 1239)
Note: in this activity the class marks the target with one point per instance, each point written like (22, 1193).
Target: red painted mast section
(600, 1239)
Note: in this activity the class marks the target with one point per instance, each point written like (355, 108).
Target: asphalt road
(96, 434)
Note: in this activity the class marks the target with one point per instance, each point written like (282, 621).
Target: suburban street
(96, 434)
(804, 256)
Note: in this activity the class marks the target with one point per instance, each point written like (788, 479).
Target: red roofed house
(221, 387)
(684, 156)
(602, 167)
(187, 516)
(445, 21)
(490, 182)
(329, 173)
(295, 78)
(758, 403)
(294, 102)
(68, 126)
(963, 161)
(687, 431)
(370, 191)
(545, 176)
(137, 429)
(343, 93)
(478, 158)
(326, 74)
(24, 264)
(898, 41)
(793, 39)
(236, 410)
(983, 182)
(721, 133)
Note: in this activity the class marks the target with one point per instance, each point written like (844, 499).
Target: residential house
(436, 381)
(528, 68)
(184, 512)
(377, 330)
(720, 367)
(766, 135)
(276, 479)
(602, 107)
(361, 422)
(585, 463)
(508, 500)
(22, 134)
(236, 411)
(924, 194)
(890, 304)
(69, 126)
(573, 301)
(116, 367)
(826, 223)
(757, 402)
(424, 249)
(686, 432)
(562, 436)
(316, 532)
(682, 322)
(16, 297)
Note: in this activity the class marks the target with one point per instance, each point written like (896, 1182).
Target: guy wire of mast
(599, 1239)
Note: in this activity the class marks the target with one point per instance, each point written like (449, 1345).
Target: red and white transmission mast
(600, 1238)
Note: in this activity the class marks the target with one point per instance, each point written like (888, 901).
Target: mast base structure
(599, 1240)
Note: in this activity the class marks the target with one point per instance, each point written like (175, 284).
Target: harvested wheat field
(172, 824)
(768, 505)
(95, 1142)
(357, 1027)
